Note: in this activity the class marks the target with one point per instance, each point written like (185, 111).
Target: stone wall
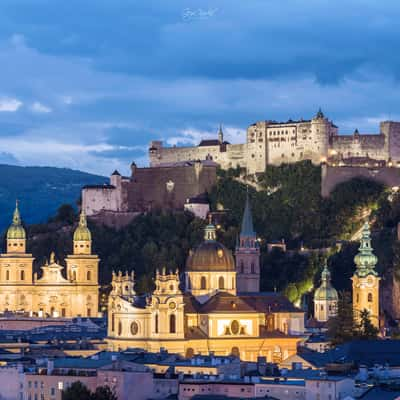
(332, 176)
(161, 187)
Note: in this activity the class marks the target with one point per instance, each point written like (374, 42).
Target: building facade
(366, 279)
(274, 143)
(52, 294)
(205, 312)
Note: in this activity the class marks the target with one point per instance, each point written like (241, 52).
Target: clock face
(172, 305)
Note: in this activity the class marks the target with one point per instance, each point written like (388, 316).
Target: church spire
(247, 229)
(220, 134)
(16, 235)
(365, 260)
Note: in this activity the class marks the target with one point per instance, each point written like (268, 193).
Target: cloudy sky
(87, 84)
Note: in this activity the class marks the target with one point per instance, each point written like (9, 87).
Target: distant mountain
(40, 191)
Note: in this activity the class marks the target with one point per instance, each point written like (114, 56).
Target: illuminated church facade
(54, 293)
(217, 307)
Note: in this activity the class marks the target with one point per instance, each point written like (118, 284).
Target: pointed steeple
(82, 232)
(220, 134)
(16, 230)
(365, 260)
(247, 229)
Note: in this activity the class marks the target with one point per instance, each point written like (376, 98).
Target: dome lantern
(16, 230)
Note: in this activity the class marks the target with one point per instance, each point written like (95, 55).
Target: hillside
(40, 190)
(294, 210)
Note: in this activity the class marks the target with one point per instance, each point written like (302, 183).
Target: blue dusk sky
(87, 84)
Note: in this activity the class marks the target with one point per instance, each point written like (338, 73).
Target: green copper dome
(365, 260)
(82, 232)
(326, 291)
(16, 230)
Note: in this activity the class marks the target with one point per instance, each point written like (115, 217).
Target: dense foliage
(288, 206)
(78, 391)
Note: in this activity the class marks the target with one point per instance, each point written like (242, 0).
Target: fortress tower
(366, 279)
(247, 255)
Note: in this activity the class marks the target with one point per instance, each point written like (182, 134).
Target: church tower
(247, 255)
(325, 298)
(15, 269)
(366, 279)
(16, 236)
(82, 270)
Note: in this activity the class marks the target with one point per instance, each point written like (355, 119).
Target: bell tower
(167, 306)
(366, 279)
(16, 236)
(82, 271)
(247, 255)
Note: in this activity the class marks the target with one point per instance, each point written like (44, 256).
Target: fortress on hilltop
(274, 143)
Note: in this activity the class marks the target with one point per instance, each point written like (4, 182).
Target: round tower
(319, 145)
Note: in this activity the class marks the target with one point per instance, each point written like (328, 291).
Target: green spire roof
(365, 260)
(16, 230)
(247, 221)
(326, 291)
(82, 231)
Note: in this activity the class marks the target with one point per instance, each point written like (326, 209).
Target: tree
(342, 328)
(104, 393)
(366, 330)
(65, 213)
(77, 391)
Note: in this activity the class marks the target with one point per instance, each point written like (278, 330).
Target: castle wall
(372, 146)
(97, 199)
(168, 187)
(332, 176)
(274, 143)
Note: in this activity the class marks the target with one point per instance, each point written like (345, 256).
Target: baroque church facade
(217, 307)
(52, 294)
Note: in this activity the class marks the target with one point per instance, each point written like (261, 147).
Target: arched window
(119, 328)
(74, 275)
(203, 283)
(22, 275)
(322, 307)
(63, 312)
(357, 298)
(7, 275)
(221, 283)
(369, 297)
(172, 323)
(112, 322)
(52, 311)
(89, 312)
(156, 323)
(89, 275)
(241, 267)
(252, 268)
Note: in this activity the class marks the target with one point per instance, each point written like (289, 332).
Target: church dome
(326, 291)
(16, 230)
(82, 232)
(210, 255)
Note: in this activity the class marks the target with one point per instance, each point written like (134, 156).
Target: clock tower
(366, 280)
